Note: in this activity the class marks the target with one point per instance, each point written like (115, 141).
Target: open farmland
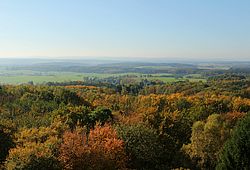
(25, 76)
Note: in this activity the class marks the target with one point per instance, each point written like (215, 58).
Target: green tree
(206, 141)
(147, 149)
(6, 142)
(101, 114)
(235, 154)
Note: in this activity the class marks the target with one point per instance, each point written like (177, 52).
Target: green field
(38, 78)
(25, 76)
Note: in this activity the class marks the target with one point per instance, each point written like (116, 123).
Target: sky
(174, 29)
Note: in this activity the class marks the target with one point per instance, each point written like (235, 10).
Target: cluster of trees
(126, 84)
(184, 125)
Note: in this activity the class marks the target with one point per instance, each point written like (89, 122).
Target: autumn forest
(124, 85)
(135, 125)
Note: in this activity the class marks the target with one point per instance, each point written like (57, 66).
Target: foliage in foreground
(101, 150)
(236, 151)
(173, 126)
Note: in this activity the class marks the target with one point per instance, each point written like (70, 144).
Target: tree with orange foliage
(102, 151)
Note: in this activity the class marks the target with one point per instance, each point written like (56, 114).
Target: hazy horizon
(102, 60)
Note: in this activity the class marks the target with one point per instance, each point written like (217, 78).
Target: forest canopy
(133, 125)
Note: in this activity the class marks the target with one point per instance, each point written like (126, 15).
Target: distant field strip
(24, 76)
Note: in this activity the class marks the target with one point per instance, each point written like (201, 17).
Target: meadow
(38, 77)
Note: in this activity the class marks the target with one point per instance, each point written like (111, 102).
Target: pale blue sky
(211, 29)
